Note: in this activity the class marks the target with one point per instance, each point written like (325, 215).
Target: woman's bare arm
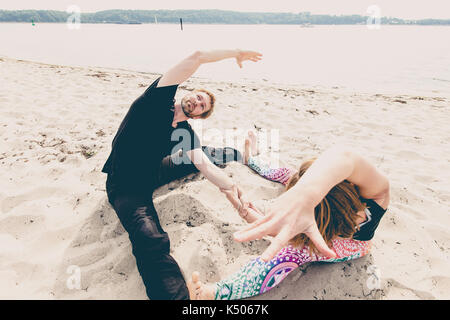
(293, 212)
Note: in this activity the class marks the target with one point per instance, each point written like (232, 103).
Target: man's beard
(185, 108)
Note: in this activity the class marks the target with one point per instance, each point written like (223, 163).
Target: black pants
(160, 272)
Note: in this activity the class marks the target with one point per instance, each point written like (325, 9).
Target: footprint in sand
(402, 290)
(9, 203)
(410, 155)
(102, 253)
(10, 244)
(21, 226)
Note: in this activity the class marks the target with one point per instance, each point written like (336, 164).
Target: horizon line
(250, 12)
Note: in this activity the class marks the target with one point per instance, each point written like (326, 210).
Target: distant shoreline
(205, 17)
(231, 24)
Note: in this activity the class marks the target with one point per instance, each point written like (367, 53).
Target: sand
(60, 238)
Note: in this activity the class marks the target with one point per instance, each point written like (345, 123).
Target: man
(143, 158)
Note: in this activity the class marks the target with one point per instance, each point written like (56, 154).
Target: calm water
(400, 59)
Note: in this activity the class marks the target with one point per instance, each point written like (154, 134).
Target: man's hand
(247, 55)
(187, 67)
(284, 220)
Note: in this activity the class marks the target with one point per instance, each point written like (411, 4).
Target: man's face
(196, 103)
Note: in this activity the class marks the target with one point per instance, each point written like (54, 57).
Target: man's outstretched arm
(218, 178)
(187, 67)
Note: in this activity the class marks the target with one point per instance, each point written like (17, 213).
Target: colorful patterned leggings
(258, 276)
(281, 175)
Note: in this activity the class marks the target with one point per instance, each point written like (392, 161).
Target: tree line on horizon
(202, 17)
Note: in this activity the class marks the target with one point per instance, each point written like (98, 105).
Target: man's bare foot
(198, 290)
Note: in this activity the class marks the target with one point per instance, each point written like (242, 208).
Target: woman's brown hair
(335, 215)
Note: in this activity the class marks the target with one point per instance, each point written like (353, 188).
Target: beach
(61, 239)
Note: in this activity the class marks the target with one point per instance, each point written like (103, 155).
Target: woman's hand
(284, 219)
(251, 213)
(247, 55)
(235, 196)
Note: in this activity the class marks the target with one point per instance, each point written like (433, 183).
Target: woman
(347, 197)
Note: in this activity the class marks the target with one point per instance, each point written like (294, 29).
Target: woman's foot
(198, 290)
(250, 147)
(253, 143)
(246, 150)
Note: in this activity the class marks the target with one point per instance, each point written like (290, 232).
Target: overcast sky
(439, 9)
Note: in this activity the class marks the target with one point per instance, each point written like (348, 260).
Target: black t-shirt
(145, 137)
(374, 213)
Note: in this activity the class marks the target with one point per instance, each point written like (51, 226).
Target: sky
(406, 9)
